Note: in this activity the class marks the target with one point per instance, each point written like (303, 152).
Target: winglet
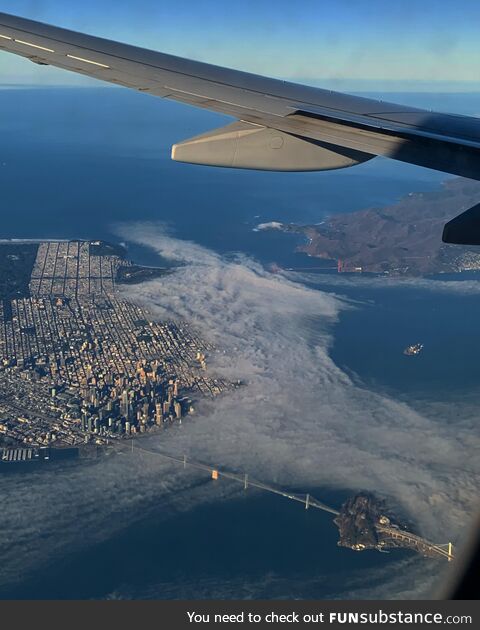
(464, 229)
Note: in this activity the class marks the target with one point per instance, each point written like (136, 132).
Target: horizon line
(383, 85)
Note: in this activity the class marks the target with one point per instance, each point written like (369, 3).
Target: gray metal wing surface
(279, 125)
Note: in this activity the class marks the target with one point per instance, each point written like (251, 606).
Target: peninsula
(80, 364)
(400, 239)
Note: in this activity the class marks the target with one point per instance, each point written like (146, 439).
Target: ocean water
(81, 163)
(75, 162)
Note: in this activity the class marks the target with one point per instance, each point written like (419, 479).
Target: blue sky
(372, 43)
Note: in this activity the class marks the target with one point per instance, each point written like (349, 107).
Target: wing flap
(425, 125)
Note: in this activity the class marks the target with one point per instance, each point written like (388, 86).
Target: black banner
(180, 615)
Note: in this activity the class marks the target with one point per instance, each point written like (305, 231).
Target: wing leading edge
(283, 126)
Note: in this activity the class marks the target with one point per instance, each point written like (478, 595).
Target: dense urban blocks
(79, 363)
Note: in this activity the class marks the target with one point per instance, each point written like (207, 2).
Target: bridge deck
(307, 500)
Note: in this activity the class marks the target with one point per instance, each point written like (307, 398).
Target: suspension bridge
(388, 533)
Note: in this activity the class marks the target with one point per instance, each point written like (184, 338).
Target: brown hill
(404, 238)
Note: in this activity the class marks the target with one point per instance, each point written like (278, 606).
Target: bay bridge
(389, 534)
(416, 542)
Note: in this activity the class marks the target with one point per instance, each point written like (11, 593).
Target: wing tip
(463, 229)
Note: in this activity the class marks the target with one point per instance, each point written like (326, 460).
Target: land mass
(79, 363)
(364, 523)
(401, 239)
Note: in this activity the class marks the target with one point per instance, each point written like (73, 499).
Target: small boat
(413, 350)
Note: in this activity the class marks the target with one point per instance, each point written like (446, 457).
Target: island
(364, 523)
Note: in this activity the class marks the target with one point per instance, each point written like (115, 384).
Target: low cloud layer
(298, 421)
(340, 281)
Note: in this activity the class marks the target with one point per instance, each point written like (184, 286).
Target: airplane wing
(279, 125)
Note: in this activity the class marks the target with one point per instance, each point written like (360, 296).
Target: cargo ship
(413, 350)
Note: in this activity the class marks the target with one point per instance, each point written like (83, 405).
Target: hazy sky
(314, 40)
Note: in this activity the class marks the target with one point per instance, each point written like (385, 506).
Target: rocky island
(363, 523)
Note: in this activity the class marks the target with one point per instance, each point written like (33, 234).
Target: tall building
(125, 404)
(158, 414)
